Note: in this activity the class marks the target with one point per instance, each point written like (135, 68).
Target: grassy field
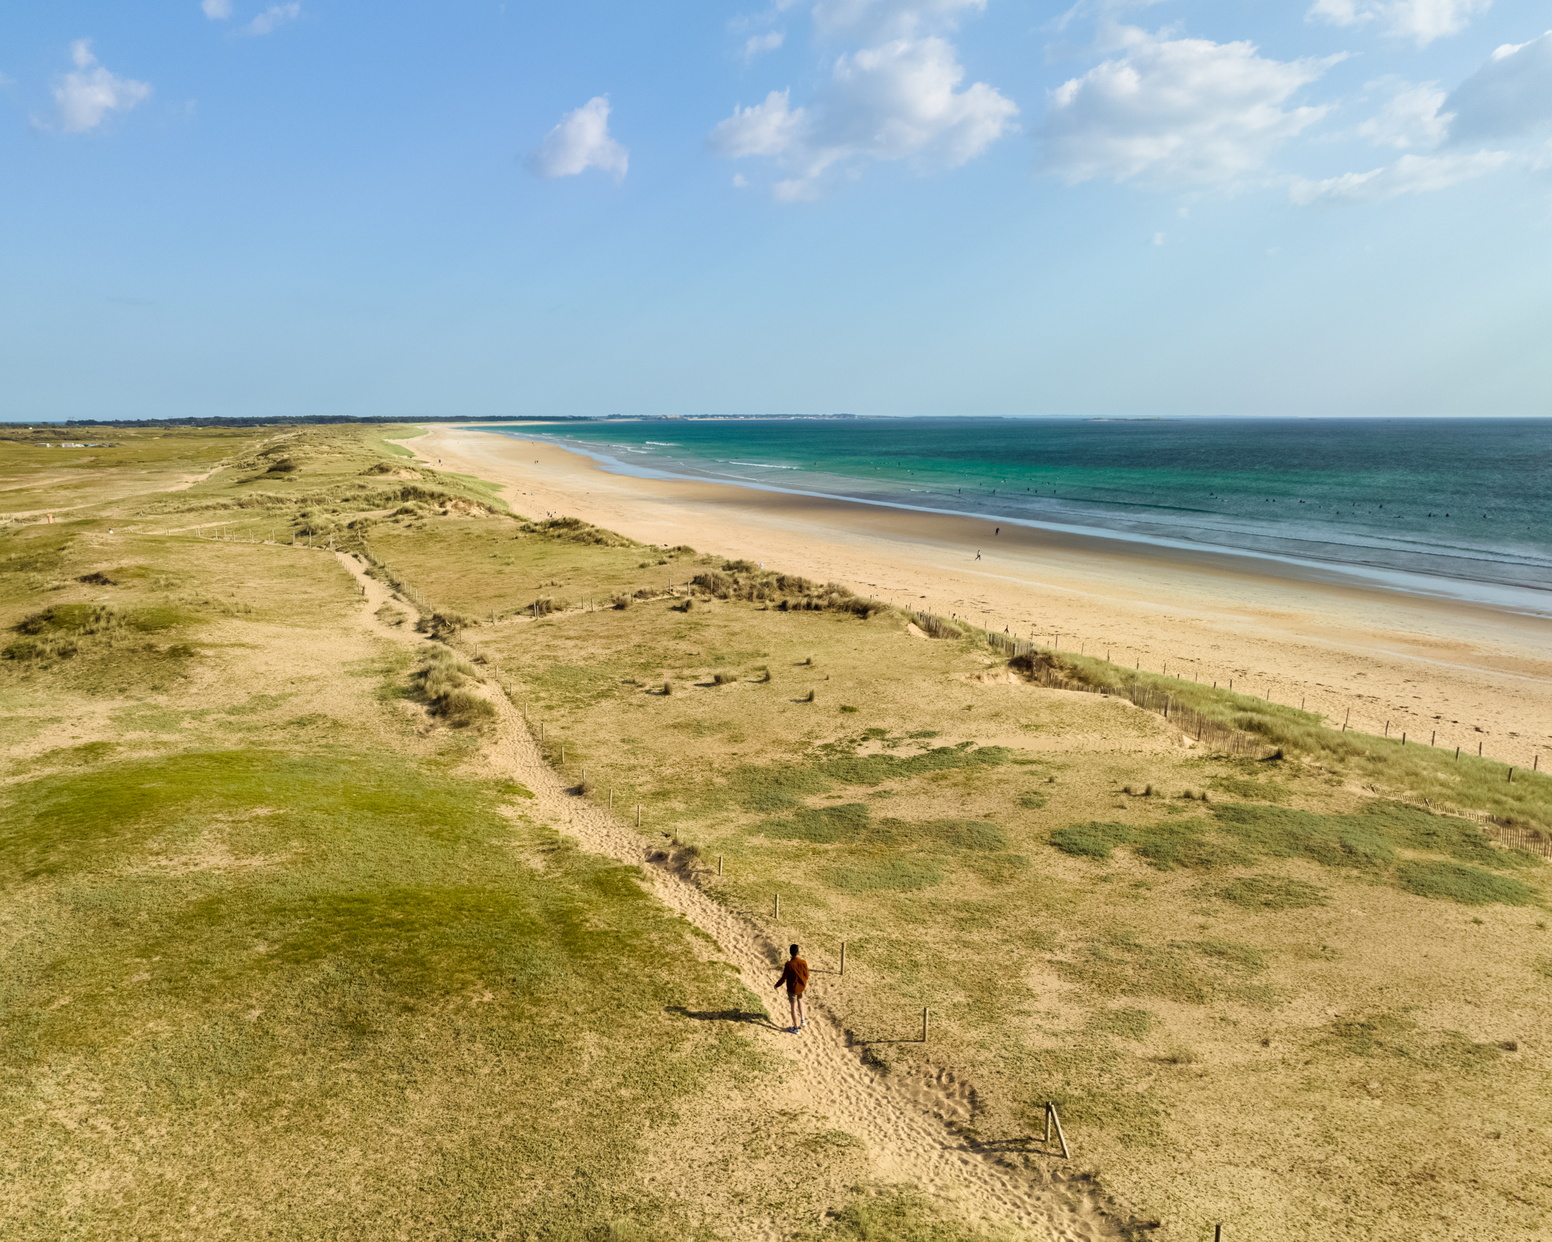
(285, 958)
(285, 947)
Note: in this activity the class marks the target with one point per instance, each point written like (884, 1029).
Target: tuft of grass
(1272, 892)
(442, 624)
(847, 707)
(1032, 800)
(445, 684)
(723, 678)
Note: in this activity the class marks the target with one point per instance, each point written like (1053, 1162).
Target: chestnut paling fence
(1038, 668)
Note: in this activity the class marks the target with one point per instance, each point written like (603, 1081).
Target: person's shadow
(747, 1016)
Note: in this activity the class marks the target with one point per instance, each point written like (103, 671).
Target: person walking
(795, 975)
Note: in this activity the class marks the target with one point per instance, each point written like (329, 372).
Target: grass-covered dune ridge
(284, 925)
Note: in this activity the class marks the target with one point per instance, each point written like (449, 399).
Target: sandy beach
(1464, 674)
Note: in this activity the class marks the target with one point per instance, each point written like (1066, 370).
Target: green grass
(1470, 886)
(389, 942)
(1367, 841)
(893, 1217)
(1421, 772)
(1273, 892)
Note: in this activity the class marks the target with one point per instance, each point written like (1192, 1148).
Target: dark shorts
(794, 992)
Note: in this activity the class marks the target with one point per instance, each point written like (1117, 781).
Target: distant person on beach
(978, 554)
(795, 975)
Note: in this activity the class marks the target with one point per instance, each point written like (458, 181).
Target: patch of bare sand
(1464, 673)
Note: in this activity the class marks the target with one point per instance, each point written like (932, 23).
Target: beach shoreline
(1463, 673)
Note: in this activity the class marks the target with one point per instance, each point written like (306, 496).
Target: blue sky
(877, 206)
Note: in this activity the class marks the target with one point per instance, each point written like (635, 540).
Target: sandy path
(907, 1143)
(1468, 674)
(902, 1125)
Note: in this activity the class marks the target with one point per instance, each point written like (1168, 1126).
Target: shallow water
(1459, 507)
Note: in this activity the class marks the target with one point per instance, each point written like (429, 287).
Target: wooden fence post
(638, 815)
(843, 957)
(924, 1025)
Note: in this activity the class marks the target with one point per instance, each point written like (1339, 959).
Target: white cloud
(1508, 96)
(581, 141)
(897, 101)
(272, 18)
(1176, 112)
(889, 19)
(1411, 174)
(1422, 21)
(216, 10)
(87, 95)
(756, 45)
(1506, 103)
(770, 128)
(1411, 116)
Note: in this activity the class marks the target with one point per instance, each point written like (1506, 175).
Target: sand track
(907, 1126)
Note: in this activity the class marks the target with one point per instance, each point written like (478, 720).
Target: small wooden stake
(843, 957)
(924, 1025)
(611, 797)
(1051, 1119)
(719, 864)
(1217, 1233)
(776, 906)
(638, 815)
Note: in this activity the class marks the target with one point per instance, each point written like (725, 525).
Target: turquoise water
(1458, 507)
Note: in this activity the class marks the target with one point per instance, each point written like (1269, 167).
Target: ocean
(1453, 507)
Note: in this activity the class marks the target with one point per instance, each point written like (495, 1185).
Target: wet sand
(1471, 674)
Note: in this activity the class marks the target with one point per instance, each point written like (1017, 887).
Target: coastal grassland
(287, 955)
(1260, 990)
(1418, 771)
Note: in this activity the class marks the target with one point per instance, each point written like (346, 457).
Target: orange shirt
(795, 975)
